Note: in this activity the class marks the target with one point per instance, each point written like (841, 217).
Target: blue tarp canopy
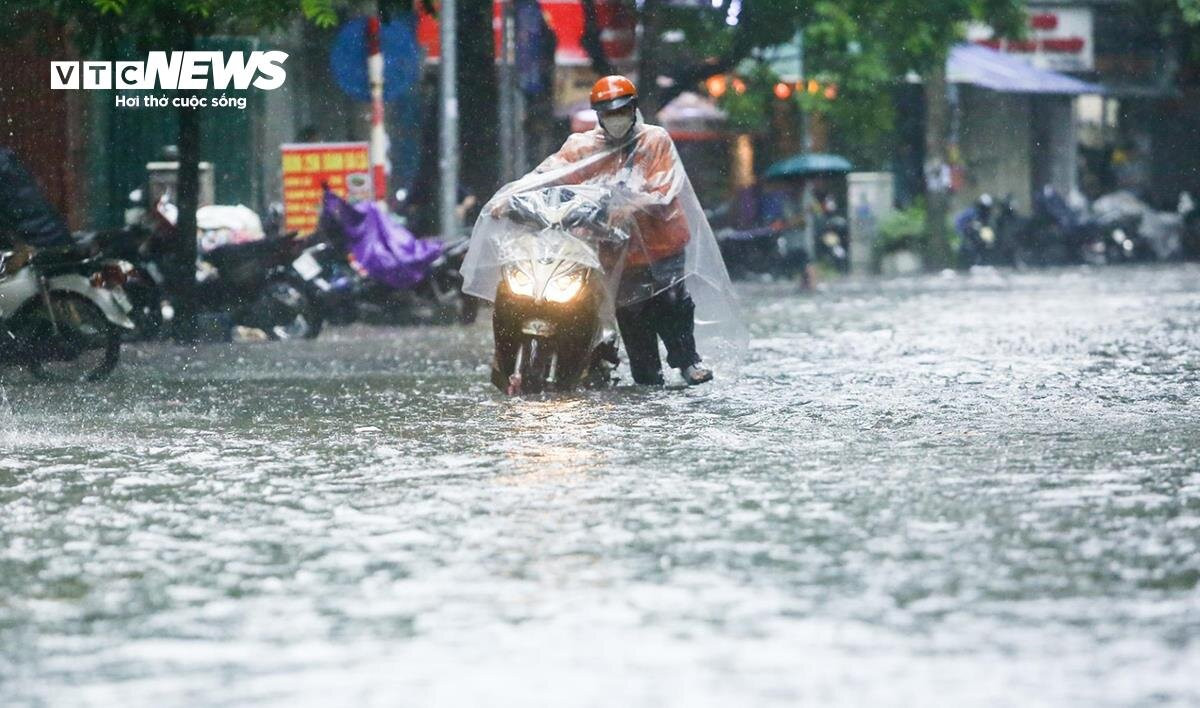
(815, 163)
(987, 68)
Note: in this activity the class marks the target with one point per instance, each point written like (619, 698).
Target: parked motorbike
(1049, 236)
(832, 245)
(548, 325)
(774, 250)
(1151, 235)
(438, 296)
(769, 250)
(1113, 239)
(984, 243)
(1109, 231)
(393, 274)
(137, 243)
(270, 285)
(337, 284)
(62, 314)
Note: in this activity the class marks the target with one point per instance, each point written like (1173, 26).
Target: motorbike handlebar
(594, 215)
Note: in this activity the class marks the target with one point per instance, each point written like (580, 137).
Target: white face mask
(617, 126)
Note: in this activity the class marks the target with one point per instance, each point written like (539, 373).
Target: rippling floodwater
(967, 491)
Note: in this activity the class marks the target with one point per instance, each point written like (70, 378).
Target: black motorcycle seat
(51, 257)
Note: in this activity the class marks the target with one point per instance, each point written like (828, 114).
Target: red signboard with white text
(1059, 38)
(616, 21)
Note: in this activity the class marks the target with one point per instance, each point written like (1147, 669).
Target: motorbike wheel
(86, 347)
(534, 369)
(290, 313)
(147, 312)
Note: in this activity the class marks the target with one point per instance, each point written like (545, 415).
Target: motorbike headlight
(519, 282)
(564, 288)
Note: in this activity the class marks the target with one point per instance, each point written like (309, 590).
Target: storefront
(1139, 133)
(1013, 125)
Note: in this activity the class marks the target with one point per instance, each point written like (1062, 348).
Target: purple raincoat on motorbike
(387, 251)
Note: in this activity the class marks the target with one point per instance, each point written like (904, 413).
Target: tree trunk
(685, 78)
(478, 98)
(591, 42)
(648, 68)
(937, 190)
(187, 200)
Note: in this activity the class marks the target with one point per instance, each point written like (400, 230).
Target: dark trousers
(669, 316)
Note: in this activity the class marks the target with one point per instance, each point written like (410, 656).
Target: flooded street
(960, 491)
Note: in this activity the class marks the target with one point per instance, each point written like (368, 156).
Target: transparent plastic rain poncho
(659, 235)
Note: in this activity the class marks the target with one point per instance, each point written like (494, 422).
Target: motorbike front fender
(15, 290)
(113, 303)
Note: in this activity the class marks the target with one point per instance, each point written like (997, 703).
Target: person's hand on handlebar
(500, 209)
(621, 215)
(509, 209)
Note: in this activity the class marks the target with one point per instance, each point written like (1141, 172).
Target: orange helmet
(613, 92)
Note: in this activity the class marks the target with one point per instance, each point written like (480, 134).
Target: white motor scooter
(61, 314)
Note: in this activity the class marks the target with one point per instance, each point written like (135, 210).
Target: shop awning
(987, 68)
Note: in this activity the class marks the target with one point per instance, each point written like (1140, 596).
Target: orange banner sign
(307, 165)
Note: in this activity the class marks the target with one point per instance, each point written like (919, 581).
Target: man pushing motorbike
(640, 164)
(607, 233)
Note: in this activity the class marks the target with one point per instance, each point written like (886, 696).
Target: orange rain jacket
(647, 165)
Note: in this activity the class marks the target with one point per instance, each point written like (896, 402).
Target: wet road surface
(959, 491)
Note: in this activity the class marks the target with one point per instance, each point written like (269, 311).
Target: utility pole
(518, 111)
(807, 201)
(647, 66)
(448, 159)
(516, 95)
(380, 165)
(805, 128)
(507, 103)
(937, 171)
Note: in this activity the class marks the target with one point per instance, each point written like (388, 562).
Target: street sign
(401, 59)
(306, 166)
(1059, 38)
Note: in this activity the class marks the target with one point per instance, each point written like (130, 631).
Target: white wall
(996, 139)
(1055, 143)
